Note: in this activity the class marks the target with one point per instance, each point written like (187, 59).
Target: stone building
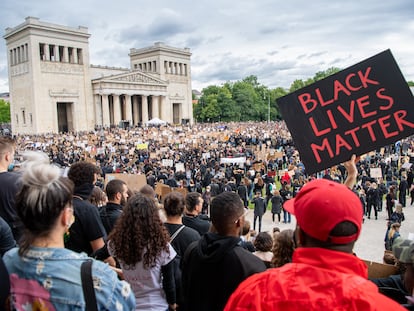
(53, 87)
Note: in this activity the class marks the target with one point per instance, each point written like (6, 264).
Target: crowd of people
(193, 250)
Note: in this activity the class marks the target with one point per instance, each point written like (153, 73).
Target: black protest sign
(357, 110)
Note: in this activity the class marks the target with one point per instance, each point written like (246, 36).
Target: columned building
(53, 87)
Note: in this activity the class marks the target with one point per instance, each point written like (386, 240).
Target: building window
(42, 51)
(70, 55)
(17, 118)
(24, 116)
(61, 49)
(26, 52)
(52, 53)
(80, 60)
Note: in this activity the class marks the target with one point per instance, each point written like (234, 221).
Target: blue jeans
(286, 217)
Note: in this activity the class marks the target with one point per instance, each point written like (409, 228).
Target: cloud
(276, 41)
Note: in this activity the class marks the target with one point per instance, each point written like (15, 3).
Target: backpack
(177, 269)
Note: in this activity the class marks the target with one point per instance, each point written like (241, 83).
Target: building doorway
(65, 118)
(176, 113)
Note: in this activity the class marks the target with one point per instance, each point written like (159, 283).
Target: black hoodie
(212, 268)
(88, 225)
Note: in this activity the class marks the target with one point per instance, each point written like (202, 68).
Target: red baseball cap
(321, 205)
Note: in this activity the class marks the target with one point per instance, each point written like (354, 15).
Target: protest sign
(375, 172)
(142, 146)
(134, 182)
(359, 109)
(179, 167)
(167, 162)
(233, 160)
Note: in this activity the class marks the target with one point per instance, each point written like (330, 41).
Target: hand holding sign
(359, 109)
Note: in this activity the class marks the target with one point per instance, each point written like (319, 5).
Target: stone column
(165, 111)
(117, 110)
(26, 56)
(155, 107)
(135, 112)
(57, 56)
(12, 57)
(105, 110)
(98, 109)
(75, 56)
(144, 109)
(66, 56)
(47, 52)
(128, 108)
(22, 53)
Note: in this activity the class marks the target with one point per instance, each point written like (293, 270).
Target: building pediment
(135, 77)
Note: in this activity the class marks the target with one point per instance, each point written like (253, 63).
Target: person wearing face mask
(43, 274)
(9, 182)
(87, 234)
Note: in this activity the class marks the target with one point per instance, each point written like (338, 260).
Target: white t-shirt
(147, 283)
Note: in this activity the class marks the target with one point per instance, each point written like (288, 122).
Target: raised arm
(352, 172)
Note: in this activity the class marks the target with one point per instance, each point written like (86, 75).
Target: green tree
(4, 111)
(298, 84)
(323, 74)
(410, 83)
(246, 100)
(211, 111)
(274, 108)
(252, 80)
(228, 109)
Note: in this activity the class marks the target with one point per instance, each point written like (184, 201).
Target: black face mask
(84, 190)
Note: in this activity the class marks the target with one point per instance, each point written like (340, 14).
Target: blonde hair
(43, 195)
(393, 228)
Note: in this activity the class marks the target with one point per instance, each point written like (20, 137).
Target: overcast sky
(278, 41)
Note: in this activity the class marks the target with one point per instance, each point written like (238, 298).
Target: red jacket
(285, 178)
(317, 279)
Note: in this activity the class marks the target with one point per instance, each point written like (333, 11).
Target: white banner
(233, 160)
(167, 162)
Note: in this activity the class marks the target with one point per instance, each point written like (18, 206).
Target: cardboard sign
(375, 172)
(359, 109)
(162, 190)
(179, 167)
(134, 182)
(167, 162)
(143, 146)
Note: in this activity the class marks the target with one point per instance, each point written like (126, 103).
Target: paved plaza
(370, 245)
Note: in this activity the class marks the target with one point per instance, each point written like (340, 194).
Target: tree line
(247, 100)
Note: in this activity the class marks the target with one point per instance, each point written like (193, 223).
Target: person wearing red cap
(324, 273)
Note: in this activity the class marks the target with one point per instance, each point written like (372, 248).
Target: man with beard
(117, 193)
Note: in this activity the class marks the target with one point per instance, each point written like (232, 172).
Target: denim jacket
(50, 279)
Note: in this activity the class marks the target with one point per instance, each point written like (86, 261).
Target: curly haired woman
(140, 243)
(283, 248)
